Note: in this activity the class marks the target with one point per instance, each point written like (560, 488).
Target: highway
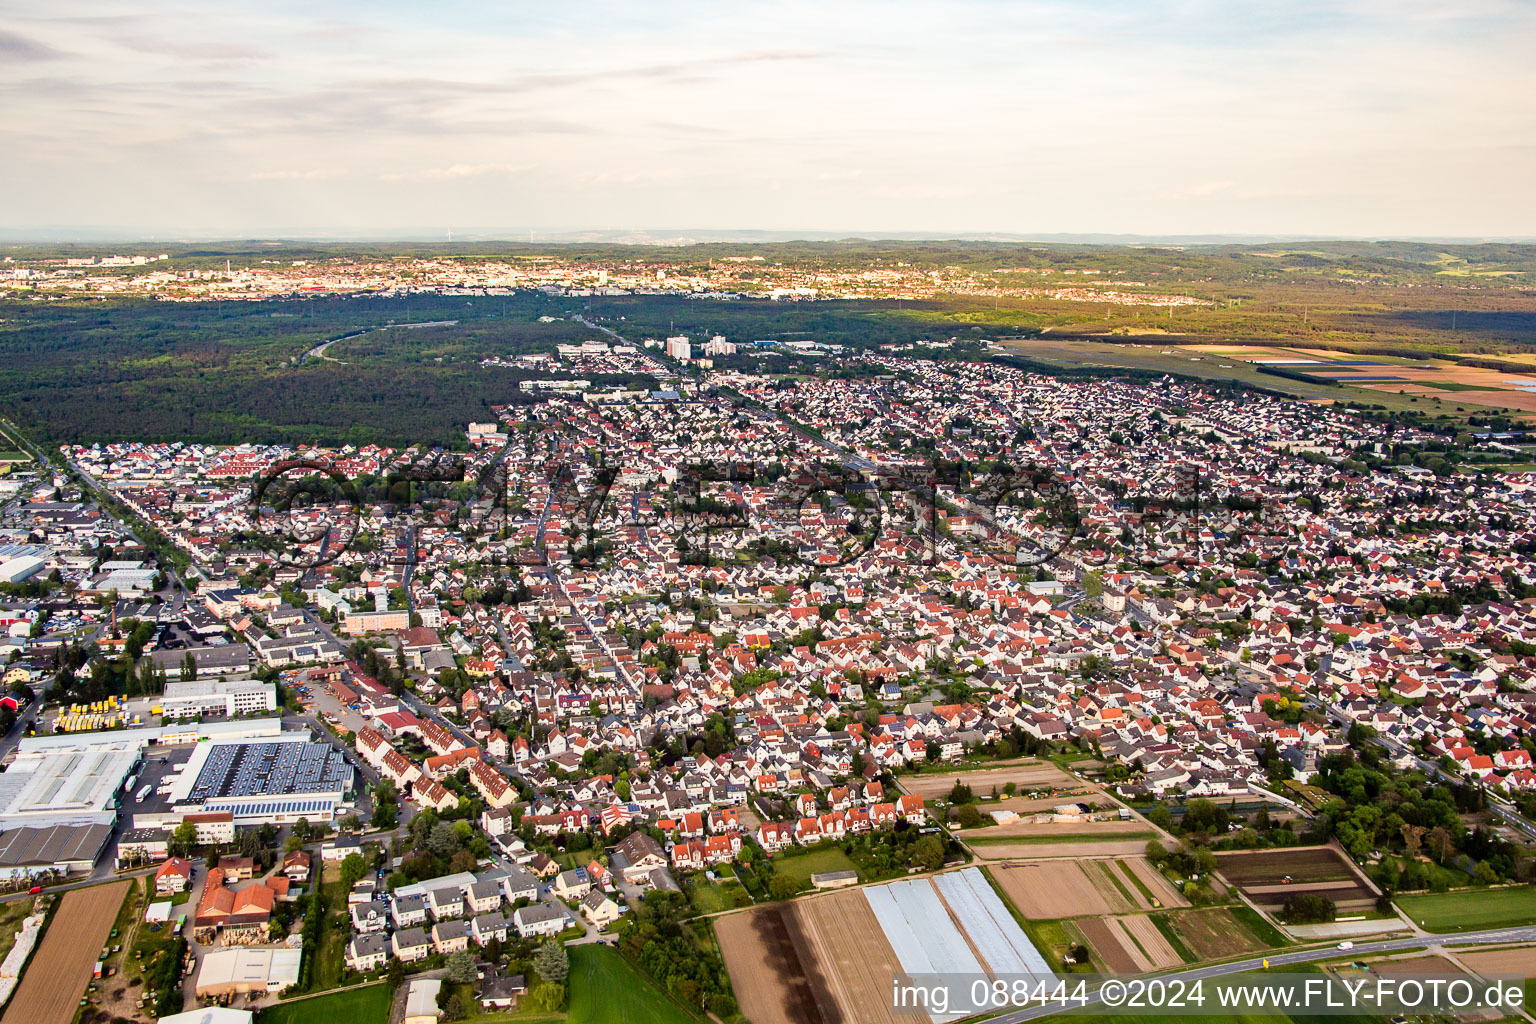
(1492, 937)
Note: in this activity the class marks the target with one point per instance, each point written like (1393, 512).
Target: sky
(1159, 117)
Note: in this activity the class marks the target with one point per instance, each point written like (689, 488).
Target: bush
(969, 816)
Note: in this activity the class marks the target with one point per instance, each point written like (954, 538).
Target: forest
(89, 370)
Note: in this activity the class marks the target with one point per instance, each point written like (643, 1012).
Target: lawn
(605, 989)
(712, 897)
(366, 1005)
(802, 866)
(331, 951)
(1472, 910)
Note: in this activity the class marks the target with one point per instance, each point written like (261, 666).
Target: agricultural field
(1261, 875)
(1026, 831)
(605, 989)
(56, 978)
(1214, 934)
(1472, 910)
(1028, 776)
(366, 1005)
(1068, 889)
(1434, 378)
(1129, 944)
(1072, 845)
(1520, 961)
(822, 960)
(1415, 965)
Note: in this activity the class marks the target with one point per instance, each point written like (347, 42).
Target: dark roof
(52, 844)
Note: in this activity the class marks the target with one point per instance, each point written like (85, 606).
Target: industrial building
(228, 697)
(277, 779)
(245, 969)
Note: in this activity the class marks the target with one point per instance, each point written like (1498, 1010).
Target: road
(1491, 937)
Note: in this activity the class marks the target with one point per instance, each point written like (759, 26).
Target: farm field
(605, 989)
(1073, 830)
(1129, 943)
(1304, 864)
(1472, 910)
(1502, 961)
(1044, 890)
(1415, 965)
(822, 960)
(1214, 934)
(56, 978)
(365, 1005)
(1026, 775)
(1063, 847)
(1315, 869)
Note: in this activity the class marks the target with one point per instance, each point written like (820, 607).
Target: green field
(605, 989)
(802, 866)
(1472, 910)
(366, 1005)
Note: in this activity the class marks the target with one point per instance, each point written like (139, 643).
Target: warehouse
(227, 972)
(278, 779)
(19, 570)
(30, 851)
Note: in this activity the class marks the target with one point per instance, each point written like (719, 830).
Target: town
(363, 711)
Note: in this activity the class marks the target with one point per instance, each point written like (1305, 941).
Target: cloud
(451, 171)
(312, 174)
(163, 46)
(14, 47)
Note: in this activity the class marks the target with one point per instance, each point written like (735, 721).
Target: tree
(1413, 838)
(551, 962)
(188, 667)
(183, 840)
(544, 998)
(396, 973)
(1307, 908)
(960, 794)
(352, 868)
(1441, 844)
(929, 852)
(453, 1009)
(349, 823)
(1093, 585)
(969, 815)
(462, 969)
(782, 887)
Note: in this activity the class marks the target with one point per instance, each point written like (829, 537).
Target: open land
(60, 969)
(1066, 846)
(1028, 776)
(1520, 961)
(605, 989)
(1261, 875)
(1469, 910)
(1214, 934)
(363, 1005)
(822, 960)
